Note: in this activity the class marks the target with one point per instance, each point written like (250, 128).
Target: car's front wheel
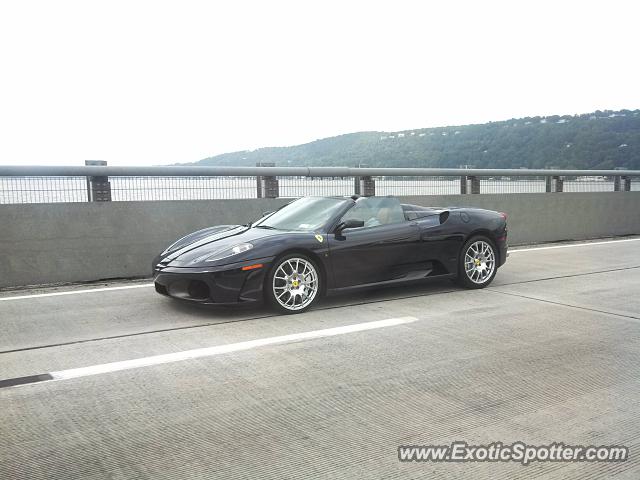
(293, 283)
(478, 263)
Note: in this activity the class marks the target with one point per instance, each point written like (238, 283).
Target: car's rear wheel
(478, 263)
(293, 283)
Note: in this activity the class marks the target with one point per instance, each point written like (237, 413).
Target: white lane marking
(73, 292)
(222, 349)
(588, 244)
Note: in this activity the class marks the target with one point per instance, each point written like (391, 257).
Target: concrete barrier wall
(51, 243)
(538, 217)
(71, 242)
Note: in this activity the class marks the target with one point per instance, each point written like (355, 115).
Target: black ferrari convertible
(318, 246)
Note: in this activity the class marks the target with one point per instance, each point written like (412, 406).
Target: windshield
(305, 214)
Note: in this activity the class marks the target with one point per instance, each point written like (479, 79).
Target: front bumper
(221, 285)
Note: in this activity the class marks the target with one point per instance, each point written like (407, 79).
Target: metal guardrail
(193, 171)
(48, 184)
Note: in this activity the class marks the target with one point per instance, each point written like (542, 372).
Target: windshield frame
(346, 202)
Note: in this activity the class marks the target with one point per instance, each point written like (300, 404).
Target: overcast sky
(140, 83)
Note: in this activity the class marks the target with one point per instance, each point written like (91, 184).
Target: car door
(376, 252)
(440, 240)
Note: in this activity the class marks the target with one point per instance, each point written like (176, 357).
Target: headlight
(243, 247)
(224, 253)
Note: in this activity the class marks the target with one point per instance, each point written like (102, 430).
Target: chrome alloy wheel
(295, 283)
(479, 262)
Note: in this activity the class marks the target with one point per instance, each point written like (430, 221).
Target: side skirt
(409, 279)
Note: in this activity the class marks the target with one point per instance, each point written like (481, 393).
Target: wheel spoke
(301, 273)
(482, 252)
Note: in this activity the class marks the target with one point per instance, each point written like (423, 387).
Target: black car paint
(372, 255)
(425, 247)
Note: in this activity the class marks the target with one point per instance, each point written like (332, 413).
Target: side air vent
(443, 217)
(198, 290)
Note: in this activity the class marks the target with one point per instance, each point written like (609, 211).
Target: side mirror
(352, 223)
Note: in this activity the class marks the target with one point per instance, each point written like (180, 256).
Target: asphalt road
(550, 352)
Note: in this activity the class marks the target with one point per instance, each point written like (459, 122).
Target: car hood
(188, 249)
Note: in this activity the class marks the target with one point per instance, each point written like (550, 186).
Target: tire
(478, 263)
(293, 283)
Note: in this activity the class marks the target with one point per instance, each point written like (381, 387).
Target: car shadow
(388, 293)
(222, 314)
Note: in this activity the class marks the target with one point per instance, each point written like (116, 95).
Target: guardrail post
(269, 187)
(622, 183)
(617, 184)
(356, 180)
(548, 184)
(266, 186)
(473, 185)
(367, 186)
(98, 188)
(557, 184)
(469, 184)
